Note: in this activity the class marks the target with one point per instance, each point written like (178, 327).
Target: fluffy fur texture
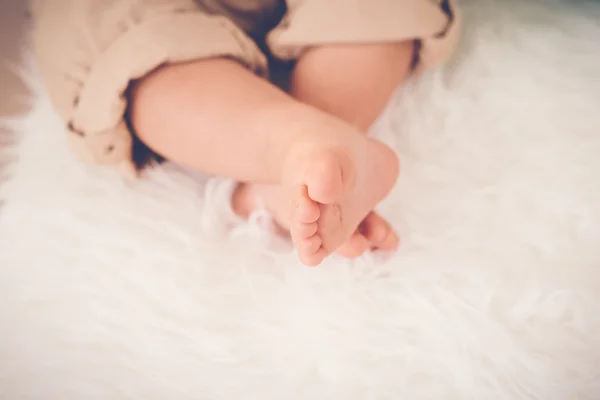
(118, 291)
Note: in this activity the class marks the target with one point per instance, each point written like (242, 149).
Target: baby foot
(373, 232)
(338, 188)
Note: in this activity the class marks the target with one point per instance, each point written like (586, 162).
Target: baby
(192, 82)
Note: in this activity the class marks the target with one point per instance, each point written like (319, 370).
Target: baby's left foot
(374, 233)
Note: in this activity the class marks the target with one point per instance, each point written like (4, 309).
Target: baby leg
(352, 82)
(215, 116)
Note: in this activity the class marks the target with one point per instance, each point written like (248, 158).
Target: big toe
(379, 233)
(324, 178)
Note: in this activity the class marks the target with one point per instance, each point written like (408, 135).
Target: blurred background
(12, 16)
(12, 19)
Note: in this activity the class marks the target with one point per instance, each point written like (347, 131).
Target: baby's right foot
(332, 188)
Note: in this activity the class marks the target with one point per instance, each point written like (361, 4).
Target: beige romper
(89, 51)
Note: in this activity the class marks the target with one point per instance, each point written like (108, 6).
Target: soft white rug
(117, 291)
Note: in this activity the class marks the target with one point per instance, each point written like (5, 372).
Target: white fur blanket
(118, 291)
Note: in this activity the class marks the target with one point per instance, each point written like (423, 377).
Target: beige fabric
(319, 22)
(90, 50)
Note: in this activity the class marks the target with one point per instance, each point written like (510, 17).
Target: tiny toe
(301, 231)
(314, 259)
(309, 246)
(307, 211)
(354, 247)
(379, 232)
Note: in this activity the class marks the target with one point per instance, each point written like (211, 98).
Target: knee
(354, 82)
(388, 63)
